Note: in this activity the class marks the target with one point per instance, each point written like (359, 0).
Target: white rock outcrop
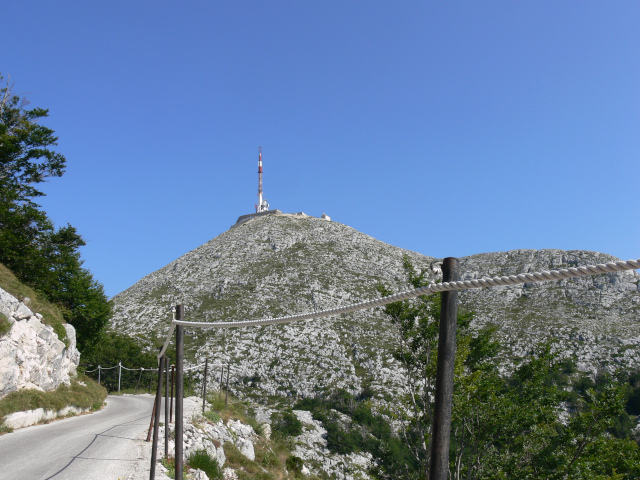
(200, 434)
(31, 354)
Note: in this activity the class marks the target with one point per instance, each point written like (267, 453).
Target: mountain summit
(284, 264)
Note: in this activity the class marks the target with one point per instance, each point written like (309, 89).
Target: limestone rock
(197, 474)
(246, 448)
(229, 474)
(31, 355)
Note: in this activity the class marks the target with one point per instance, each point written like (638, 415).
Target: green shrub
(5, 326)
(294, 464)
(61, 332)
(203, 461)
(216, 402)
(212, 416)
(268, 459)
(132, 352)
(286, 424)
(170, 464)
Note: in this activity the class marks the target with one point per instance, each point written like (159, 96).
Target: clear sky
(447, 128)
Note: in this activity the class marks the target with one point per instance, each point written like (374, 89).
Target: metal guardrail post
(156, 422)
(98, 374)
(204, 383)
(166, 408)
(221, 380)
(441, 427)
(139, 378)
(179, 390)
(226, 391)
(119, 374)
(173, 377)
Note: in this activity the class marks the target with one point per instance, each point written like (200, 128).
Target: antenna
(262, 205)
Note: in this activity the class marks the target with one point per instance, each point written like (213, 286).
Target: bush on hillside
(286, 424)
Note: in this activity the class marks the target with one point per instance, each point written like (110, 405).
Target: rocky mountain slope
(285, 264)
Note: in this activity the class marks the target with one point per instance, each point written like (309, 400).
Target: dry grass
(90, 395)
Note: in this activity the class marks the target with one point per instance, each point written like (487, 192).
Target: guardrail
(449, 288)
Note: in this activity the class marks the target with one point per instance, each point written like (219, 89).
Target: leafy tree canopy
(43, 257)
(25, 156)
(541, 420)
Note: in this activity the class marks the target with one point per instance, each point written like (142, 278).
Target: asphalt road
(105, 445)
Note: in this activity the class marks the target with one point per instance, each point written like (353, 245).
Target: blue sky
(447, 128)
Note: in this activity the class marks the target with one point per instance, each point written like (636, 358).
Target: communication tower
(262, 205)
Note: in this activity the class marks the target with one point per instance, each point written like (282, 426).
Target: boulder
(246, 448)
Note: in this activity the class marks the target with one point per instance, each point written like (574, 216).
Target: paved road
(106, 445)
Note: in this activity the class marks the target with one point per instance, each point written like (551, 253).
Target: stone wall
(31, 355)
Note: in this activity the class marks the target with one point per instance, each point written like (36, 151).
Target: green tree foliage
(543, 420)
(113, 349)
(286, 424)
(25, 156)
(417, 323)
(45, 258)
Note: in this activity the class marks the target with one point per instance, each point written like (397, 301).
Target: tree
(417, 323)
(46, 258)
(530, 423)
(116, 348)
(25, 156)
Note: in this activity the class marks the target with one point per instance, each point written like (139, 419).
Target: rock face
(31, 355)
(285, 264)
(311, 447)
(596, 319)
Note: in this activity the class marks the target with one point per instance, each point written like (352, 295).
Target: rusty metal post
(226, 390)
(173, 377)
(153, 415)
(221, 380)
(441, 427)
(179, 390)
(139, 378)
(166, 407)
(156, 420)
(204, 383)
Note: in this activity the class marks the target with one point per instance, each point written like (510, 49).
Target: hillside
(285, 264)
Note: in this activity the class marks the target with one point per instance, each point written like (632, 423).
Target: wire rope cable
(543, 276)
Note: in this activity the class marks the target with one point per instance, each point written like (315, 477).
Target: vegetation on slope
(51, 314)
(274, 458)
(542, 420)
(82, 393)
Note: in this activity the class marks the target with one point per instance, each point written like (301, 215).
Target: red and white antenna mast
(262, 205)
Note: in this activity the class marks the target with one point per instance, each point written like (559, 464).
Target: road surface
(105, 445)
